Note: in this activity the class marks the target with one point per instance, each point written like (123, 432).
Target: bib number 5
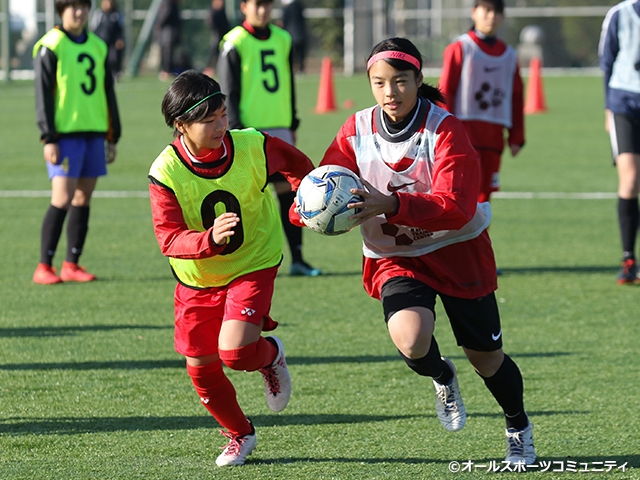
(270, 70)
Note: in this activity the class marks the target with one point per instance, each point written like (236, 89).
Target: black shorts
(475, 323)
(624, 133)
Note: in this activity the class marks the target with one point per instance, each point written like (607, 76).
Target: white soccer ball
(323, 197)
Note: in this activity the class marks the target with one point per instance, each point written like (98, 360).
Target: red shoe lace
(235, 443)
(272, 380)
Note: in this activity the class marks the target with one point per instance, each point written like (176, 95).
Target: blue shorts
(82, 157)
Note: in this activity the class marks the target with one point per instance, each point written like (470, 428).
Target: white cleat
(449, 406)
(237, 450)
(277, 381)
(520, 446)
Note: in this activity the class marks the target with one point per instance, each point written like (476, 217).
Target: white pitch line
(556, 195)
(97, 193)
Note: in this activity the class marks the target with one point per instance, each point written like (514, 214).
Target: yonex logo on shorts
(248, 311)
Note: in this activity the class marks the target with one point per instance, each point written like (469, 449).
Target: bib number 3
(88, 89)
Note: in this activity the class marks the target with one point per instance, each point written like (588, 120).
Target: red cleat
(72, 272)
(46, 275)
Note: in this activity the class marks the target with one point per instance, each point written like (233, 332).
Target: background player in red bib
(215, 218)
(425, 236)
(79, 124)
(482, 86)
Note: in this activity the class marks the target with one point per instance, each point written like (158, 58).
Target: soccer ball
(323, 197)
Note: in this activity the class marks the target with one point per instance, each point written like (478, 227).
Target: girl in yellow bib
(215, 218)
(77, 115)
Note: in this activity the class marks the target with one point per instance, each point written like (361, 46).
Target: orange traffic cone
(534, 102)
(326, 96)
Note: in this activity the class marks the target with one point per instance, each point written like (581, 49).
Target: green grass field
(91, 388)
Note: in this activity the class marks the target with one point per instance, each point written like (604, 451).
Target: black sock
(628, 221)
(508, 389)
(77, 228)
(50, 233)
(431, 365)
(293, 233)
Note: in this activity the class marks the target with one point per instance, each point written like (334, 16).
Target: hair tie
(200, 102)
(395, 55)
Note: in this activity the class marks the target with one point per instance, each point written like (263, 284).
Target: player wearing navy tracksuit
(619, 52)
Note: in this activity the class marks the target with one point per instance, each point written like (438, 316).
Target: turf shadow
(64, 331)
(558, 269)
(180, 363)
(96, 365)
(531, 413)
(75, 426)
(293, 360)
(540, 354)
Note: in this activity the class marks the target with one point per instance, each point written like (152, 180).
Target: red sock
(250, 357)
(219, 397)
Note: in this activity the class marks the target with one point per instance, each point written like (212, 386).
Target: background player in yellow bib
(256, 74)
(79, 124)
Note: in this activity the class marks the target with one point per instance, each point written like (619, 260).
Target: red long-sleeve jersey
(174, 237)
(483, 134)
(466, 269)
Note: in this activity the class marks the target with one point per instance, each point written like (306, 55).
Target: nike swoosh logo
(496, 337)
(395, 188)
(491, 69)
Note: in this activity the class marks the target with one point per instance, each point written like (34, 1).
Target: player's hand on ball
(223, 227)
(375, 203)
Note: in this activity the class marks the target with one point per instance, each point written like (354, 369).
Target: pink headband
(394, 54)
